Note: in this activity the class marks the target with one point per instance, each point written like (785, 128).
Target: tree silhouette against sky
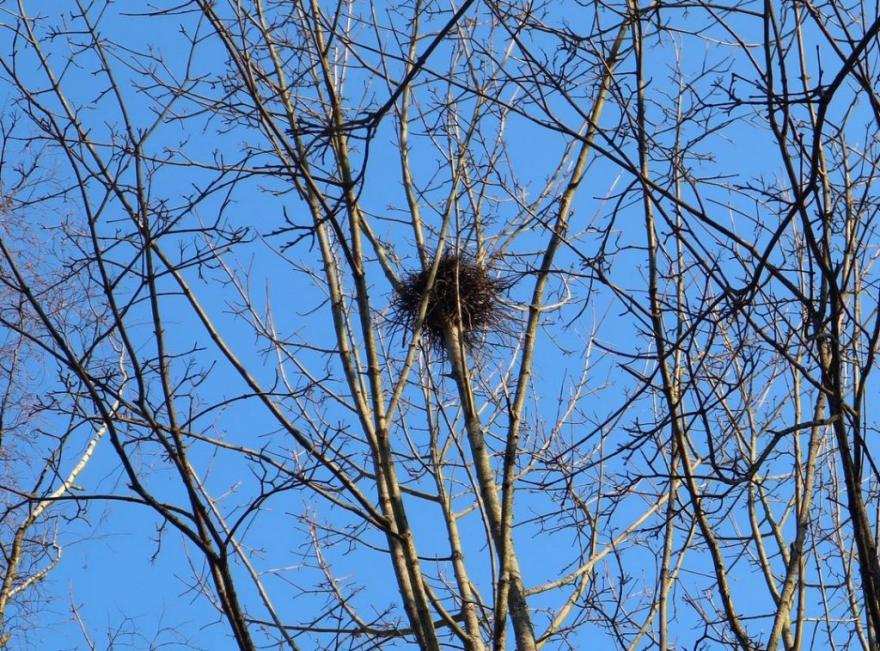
(497, 325)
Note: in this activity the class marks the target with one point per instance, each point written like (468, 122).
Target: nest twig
(464, 293)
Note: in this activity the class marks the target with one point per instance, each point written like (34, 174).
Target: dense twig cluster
(464, 293)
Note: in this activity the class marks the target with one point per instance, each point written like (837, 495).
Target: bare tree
(482, 326)
(42, 454)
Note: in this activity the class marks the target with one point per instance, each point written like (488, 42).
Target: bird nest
(464, 293)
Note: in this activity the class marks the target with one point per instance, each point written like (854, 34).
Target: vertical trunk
(516, 600)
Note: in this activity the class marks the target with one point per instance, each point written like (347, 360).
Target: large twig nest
(464, 294)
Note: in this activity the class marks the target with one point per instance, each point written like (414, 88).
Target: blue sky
(128, 577)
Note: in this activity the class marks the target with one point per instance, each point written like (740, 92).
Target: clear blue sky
(122, 580)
